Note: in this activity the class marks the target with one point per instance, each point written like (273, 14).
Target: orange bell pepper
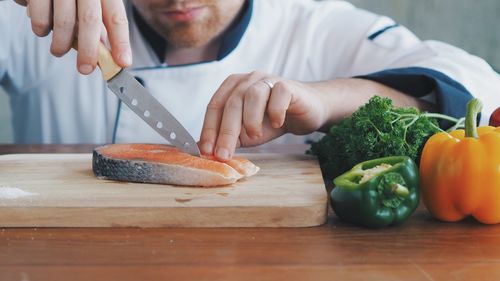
(460, 172)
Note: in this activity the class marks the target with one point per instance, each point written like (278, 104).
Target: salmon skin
(164, 164)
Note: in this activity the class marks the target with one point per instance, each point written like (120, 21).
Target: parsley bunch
(375, 130)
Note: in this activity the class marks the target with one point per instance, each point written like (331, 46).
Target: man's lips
(184, 14)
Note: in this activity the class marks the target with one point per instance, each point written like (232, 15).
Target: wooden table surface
(421, 249)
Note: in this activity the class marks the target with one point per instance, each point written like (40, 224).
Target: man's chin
(189, 39)
(187, 42)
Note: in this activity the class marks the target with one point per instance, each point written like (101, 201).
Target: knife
(142, 103)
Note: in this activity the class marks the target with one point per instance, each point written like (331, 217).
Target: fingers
(278, 104)
(64, 15)
(237, 113)
(231, 118)
(89, 31)
(40, 12)
(255, 100)
(115, 20)
(230, 128)
(213, 115)
(64, 26)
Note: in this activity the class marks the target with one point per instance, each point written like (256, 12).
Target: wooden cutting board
(60, 190)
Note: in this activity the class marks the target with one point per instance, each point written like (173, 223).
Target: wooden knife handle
(108, 67)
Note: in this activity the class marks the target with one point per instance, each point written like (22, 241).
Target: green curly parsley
(375, 130)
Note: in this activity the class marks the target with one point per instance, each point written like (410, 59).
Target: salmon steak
(164, 164)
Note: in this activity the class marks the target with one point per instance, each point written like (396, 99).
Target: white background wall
(472, 25)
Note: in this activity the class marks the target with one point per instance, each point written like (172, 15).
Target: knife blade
(141, 102)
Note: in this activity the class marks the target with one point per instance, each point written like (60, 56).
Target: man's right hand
(83, 18)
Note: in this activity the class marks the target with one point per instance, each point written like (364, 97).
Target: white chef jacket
(302, 40)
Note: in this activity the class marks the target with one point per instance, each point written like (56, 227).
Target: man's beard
(193, 34)
(190, 34)
(200, 31)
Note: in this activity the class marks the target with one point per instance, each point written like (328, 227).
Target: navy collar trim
(230, 39)
(233, 35)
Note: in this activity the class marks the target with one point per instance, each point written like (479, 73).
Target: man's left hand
(252, 109)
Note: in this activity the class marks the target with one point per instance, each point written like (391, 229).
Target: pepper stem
(400, 190)
(474, 107)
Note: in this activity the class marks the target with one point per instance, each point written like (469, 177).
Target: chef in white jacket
(234, 73)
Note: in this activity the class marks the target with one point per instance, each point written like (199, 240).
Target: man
(234, 72)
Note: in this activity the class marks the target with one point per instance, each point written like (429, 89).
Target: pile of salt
(8, 192)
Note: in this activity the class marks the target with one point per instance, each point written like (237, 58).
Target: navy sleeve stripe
(380, 32)
(452, 97)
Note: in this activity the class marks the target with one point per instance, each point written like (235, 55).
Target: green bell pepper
(378, 192)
